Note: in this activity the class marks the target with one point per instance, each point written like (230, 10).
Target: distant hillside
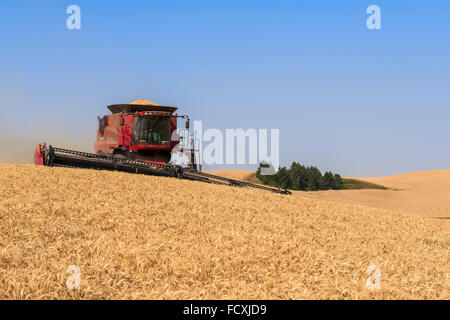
(356, 184)
(249, 176)
(420, 193)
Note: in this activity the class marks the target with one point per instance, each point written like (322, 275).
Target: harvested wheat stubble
(136, 236)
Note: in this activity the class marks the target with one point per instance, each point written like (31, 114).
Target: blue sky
(355, 101)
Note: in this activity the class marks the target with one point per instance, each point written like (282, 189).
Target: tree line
(299, 177)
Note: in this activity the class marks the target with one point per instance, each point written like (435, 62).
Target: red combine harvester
(140, 137)
(140, 132)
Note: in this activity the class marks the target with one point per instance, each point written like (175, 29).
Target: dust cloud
(19, 149)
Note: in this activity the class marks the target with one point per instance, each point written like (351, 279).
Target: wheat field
(143, 237)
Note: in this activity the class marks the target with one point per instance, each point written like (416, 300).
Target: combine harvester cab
(140, 137)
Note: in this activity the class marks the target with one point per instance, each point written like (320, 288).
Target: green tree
(299, 177)
(313, 179)
(282, 178)
(338, 183)
(328, 181)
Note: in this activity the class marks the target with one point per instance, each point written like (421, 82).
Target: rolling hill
(136, 237)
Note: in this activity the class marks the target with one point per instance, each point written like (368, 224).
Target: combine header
(140, 137)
